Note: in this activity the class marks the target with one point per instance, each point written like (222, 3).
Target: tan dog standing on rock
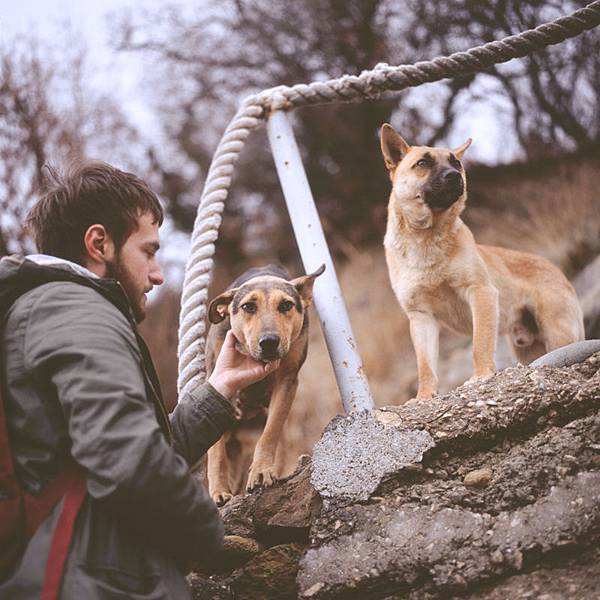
(267, 314)
(440, 275)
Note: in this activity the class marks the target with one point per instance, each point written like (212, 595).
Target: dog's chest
(254, 400)
(436, 288)
(416, 268)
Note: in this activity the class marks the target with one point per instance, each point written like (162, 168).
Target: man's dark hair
(89, 193)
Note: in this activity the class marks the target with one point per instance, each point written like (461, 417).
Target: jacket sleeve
(199, 420)
(81, 346)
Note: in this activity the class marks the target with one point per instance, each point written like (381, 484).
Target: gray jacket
(78, 380)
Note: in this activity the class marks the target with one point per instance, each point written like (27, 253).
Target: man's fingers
(229, 339)
(271, 366)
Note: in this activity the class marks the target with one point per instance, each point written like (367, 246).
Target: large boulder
(490, 491)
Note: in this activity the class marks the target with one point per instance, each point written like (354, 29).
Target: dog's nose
(269, 343)
(452, 177)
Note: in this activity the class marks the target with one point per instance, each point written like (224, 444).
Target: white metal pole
(347, 364)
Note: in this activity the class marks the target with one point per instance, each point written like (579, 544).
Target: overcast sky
(116, 72)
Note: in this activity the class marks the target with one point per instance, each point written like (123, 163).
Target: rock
(478, 478)
(204, 588)
(416, 548)
(575, 579)
(425, 534)
(238, 515)
(345, 469)
(285, 511)
(568, 355)
(271, 574)
(420, 528)
(237, 551)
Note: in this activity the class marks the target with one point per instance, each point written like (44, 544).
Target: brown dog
(440, 275)
(268, 315)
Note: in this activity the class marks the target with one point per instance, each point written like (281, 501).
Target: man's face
(135, 265)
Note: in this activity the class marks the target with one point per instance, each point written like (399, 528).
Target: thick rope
(349, 88)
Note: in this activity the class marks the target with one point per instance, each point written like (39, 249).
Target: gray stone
(396, 545)
(358, 451)
(568, 355)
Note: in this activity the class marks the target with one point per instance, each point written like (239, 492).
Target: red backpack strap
(63, 534)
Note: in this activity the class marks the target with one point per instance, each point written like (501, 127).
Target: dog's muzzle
(269, 347)
(444, 190)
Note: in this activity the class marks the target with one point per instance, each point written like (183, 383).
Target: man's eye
(286, 306)
(423, 162)
(249, 307)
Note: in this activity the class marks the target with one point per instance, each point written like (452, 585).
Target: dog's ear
(393, 147)
(218, 309)
(304, 285)
(462, 149)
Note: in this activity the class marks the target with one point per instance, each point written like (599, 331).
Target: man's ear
(462, 149)
(304, 285)
(218, 309)
(393, 147)
(99, 247)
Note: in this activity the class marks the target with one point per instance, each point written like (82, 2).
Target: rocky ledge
(491, 491)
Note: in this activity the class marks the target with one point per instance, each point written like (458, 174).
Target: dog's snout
(452, 177)
(269, 343)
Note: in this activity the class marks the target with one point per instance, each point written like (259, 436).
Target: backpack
(21, 512)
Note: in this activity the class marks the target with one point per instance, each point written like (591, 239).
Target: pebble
(314, 589)
(478, 478)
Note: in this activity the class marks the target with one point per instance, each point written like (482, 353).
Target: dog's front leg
(484, 308)
(262, 469)
(218, 473)
(425, 333)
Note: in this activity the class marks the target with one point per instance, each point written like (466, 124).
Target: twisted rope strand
(349, 88)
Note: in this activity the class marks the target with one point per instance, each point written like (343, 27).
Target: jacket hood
(19, 274)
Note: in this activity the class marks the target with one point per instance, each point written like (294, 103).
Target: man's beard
(116, 270)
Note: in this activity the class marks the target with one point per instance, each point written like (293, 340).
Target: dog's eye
(286, 306)
(455, 163)
(249, 307)
(423, 162)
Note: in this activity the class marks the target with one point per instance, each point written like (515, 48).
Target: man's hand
(234, 371)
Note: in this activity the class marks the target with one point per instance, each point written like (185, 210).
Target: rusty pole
(347, 364)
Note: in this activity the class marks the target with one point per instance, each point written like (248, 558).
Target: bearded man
(116, 513)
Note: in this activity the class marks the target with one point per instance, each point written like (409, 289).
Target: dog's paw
(221, 498)
(420, 398)
(480, 377)
(261, 475)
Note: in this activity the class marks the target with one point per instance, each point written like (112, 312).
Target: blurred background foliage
(201, 61)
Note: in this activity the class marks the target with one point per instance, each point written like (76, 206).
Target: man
(81, 394)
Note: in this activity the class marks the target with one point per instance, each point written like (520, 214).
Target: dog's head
(266, 312)
(427, 182)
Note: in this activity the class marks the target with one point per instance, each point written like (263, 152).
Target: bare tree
(50, 114)
(554, 94)
(216, 54)
(210, 56)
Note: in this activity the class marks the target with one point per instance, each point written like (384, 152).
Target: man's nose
(156, 275)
